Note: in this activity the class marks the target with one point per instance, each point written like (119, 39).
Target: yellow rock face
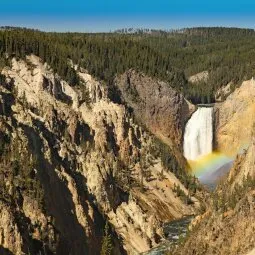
(235, 118)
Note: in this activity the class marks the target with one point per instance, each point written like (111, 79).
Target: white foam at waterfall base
(198, 137)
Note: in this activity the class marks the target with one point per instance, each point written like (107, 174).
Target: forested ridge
(228, 54)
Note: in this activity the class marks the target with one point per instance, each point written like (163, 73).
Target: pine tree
(107, 246)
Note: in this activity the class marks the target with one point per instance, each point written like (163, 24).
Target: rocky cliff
(228, 226)
(234, 119)
(158, 106)
(72, 159)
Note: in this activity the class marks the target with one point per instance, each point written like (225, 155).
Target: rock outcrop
(89, 163)
(156, 105)
(199, 77)
(244, 166)
(234, 119)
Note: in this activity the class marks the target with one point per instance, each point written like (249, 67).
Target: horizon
(118, 30)
(102, 16)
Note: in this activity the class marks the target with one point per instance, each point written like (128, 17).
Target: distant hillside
(227, 54)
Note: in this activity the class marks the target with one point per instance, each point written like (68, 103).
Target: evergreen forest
(227, 54)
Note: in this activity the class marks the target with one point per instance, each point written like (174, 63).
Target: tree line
(226, 53)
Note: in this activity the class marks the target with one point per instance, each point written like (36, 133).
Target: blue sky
(106, 15)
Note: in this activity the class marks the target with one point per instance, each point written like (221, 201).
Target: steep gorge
(227, 226)
(84, 161)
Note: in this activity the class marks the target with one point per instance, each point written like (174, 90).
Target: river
(172, 230)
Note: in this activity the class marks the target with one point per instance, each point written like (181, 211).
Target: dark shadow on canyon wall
(4, 251)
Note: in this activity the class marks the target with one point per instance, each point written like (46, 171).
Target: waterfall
(198, 136)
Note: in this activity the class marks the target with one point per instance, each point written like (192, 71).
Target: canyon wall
(234, 119)
(228, 226)
(157, 106)
(72, 159)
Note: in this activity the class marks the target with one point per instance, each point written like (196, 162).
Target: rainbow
(209, 163)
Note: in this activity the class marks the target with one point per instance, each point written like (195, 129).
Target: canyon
(89, 162)
(227, 225)
(74, 159)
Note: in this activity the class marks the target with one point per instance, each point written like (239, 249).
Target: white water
(198, 136)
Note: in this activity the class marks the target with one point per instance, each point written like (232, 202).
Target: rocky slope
(199, 77)
(71, 159)
(159, 107)
(234, 119)
(228, 226)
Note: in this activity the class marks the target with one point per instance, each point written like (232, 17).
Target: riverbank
(174, 231)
